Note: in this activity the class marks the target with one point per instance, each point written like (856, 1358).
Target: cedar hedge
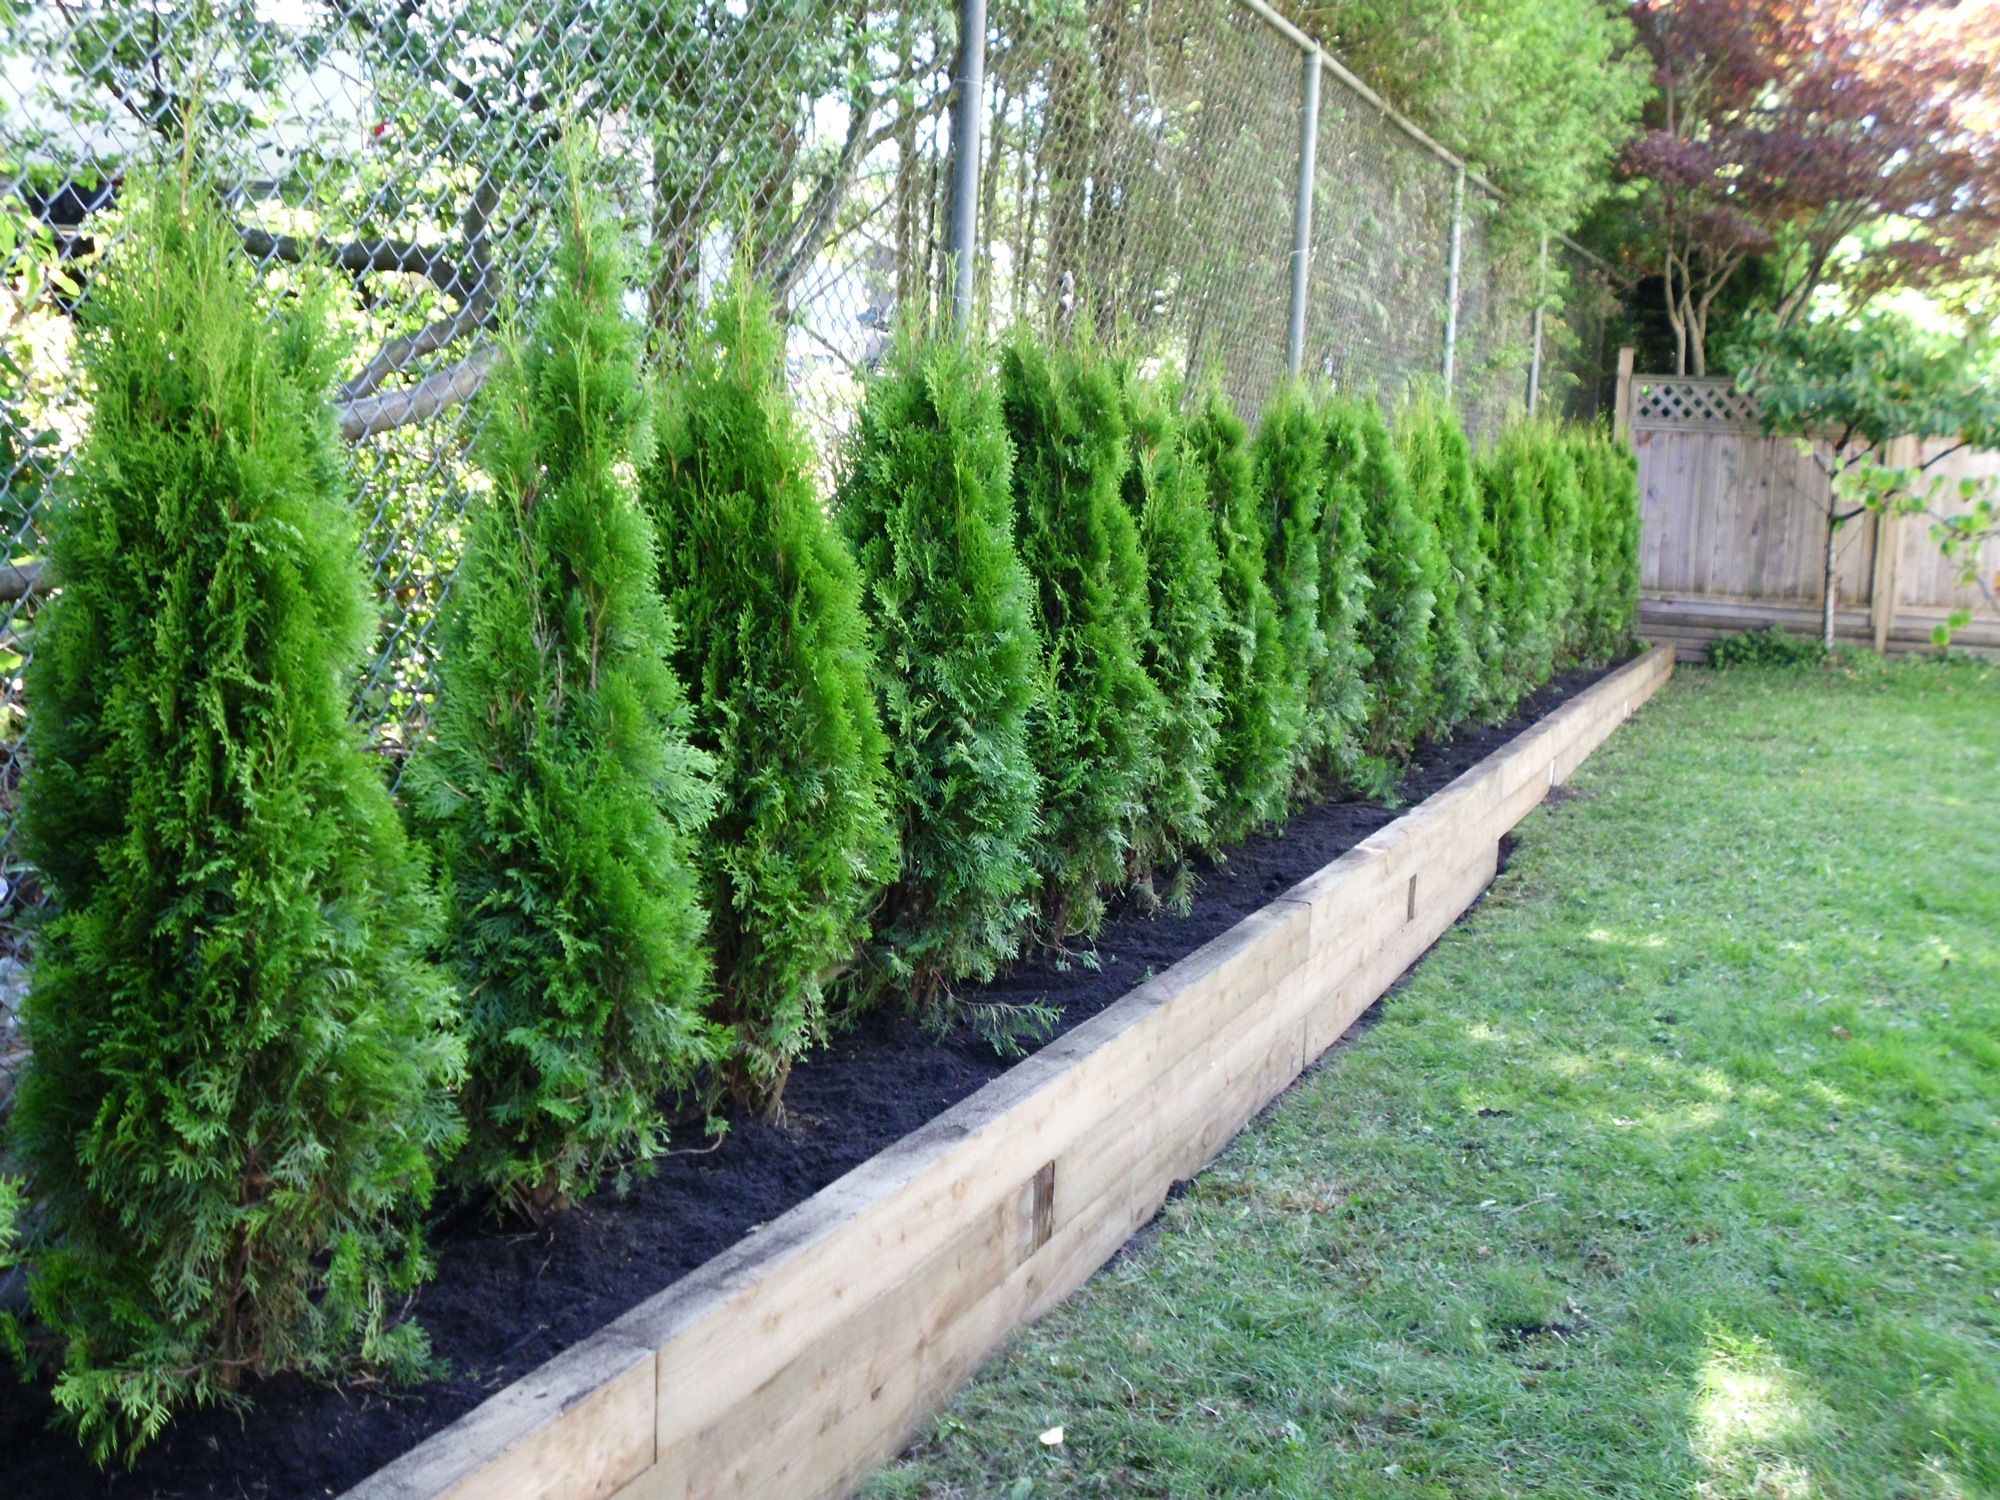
(1166, 489)
(708, 763)
(775, 654)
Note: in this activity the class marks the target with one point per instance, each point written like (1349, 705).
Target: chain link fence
(1140, 170)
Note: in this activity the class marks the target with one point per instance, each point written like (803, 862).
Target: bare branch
(370, 416)
(19, 580)
(432, 262)
(791, 257)
(1943, 454)
(466, 276)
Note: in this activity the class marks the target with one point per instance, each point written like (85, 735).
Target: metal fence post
(1541, 299)
(1451, 292)
(968, 119)
(1302, 214)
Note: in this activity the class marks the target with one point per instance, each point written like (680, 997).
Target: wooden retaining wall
(793, 1364)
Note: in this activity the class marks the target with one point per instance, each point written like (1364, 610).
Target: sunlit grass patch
(1674, 1171)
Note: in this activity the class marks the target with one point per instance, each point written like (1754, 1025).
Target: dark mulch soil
(503, 1302)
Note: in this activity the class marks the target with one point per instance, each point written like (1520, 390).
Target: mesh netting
(1381, 262)
(1140, 173)
(1139, 170)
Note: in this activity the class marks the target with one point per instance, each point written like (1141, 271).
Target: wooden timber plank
(576, 1428)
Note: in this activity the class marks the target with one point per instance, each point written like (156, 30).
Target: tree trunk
(1829, 587)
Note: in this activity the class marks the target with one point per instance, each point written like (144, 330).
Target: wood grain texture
(1733, 527)
(800, 1359)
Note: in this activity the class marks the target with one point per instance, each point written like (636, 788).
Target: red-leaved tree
(1813, 127)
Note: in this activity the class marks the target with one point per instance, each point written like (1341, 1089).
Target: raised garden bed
(793, 1360)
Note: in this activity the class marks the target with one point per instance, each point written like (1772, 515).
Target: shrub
(1438, 459)
(561, 792)
(1397, 630)
(1564, 559)
(1252, 758)
(775, 655)
(927, 507)
(1613, 477)
(1772, 646)
(1586, 537)
(241, 1056)
(1621, 578)
(1166, 491)
(1289, 459)
(1337, 716)
(1511, 479)
(1095, 722)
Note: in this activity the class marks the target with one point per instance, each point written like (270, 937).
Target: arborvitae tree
(1510, 480)
(1618, 568)
(1397, 630)
(1438, 460)
(1614, 553)
(1289, 460)
(1339, 712)
(561, 791)
(1587, 535)
(1094, 724)
(927, 507)
(1561, 521)
(1166, 490)
(1252, 758)
(775, 655)
(242, 1057)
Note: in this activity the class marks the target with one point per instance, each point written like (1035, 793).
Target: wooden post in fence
(1621, 400)
(1882, 582)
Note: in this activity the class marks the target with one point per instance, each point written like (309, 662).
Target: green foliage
(775, 656)
(1396, 631)
(241, 1057)
(1868, 380)
(1561, 523)
(13, 1200)
(1341, 700)
(1166, 490)
(1540, 93)
(1289, 461)
(561, 791)
(1560, 491)
(1873, 377)
(1511, 478)
(1252, 758)
(1438, 460)
(926, 505)
(1095, 724)
(1772, 646)
(1611, 482)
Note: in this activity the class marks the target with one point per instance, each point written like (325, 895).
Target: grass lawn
(1674, 1171)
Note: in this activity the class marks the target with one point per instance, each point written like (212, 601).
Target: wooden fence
(1734, 526)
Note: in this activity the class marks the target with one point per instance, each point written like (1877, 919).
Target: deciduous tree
(1794, 124)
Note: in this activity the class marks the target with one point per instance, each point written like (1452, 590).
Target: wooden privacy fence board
(796, 1361)
(1737, 520)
